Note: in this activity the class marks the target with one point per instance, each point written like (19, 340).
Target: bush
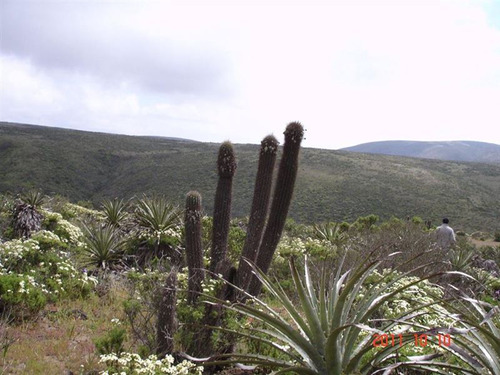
(38, 270)
(20, 296)
(131, 364)
(112, 341)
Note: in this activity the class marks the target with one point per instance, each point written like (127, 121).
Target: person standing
(445, 235)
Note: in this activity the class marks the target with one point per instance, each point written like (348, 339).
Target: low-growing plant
(328, 331)
(112, 341)
(158, 227)
(476, 336)
(141, 306)
(26, 217)
(460, 256)
(132, 364)
(115, 211)
(32, 272)
(104, 246)
(20, 296)
(33, 198)
(496, 236)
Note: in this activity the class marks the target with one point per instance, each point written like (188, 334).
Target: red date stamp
(384, 340)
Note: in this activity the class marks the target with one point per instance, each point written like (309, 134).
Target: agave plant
(26, 218)
(155, 217)
(115, 211)
(329, 331)
(33, 198)
(155, 214)
(331, 232)
(104, 246)
(477, 341)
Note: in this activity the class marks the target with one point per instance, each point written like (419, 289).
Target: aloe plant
(156, 214)
(115, 211)
(477, 337)
(155, 217)
(104, 246)
(329, 330)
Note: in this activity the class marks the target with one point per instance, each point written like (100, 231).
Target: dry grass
(488, 242)
(62, 338)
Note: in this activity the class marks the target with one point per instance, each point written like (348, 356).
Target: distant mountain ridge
(331, 185)
(467, 151)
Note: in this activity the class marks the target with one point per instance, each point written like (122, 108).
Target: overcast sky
(350, 71)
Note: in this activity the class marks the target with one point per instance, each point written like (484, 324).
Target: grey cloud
(86, 39)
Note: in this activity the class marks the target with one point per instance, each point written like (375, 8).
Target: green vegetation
(331, 185)
(378, 294)
(327, 332)
(136, 281)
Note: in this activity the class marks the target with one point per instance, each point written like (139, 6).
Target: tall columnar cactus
(167, 323)
(260, 205)
(194, 250)
(226, 165)
(282, 197)
(262, 238)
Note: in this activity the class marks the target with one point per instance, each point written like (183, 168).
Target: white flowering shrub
(132, 364)
(425, 295)
(47, 240)
(50, 218)
(38, 270)
(69, 233)
(20, 295)
(312, 247)
(290, 246)
(71, 210)
(169, 236)
(422, 293)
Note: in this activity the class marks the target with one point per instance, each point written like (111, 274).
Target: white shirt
(445, 236)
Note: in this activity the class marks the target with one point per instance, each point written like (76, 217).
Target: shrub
(20, 296)
(36, 272)
(132, 364)
(326, 332)
(112, 341)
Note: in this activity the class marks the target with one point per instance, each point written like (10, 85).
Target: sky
(350, 71)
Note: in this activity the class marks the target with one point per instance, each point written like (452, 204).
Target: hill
(331, 185)
(468, 151)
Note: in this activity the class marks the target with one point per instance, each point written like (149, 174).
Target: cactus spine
(260, 205)
(194, 250)
(283, 192)
(226, 165)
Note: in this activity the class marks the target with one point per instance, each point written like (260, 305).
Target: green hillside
(331, 185)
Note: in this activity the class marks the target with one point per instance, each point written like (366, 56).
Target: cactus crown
(269, 145)
(193, 206)
(226, 162)
(294, 132)
(193, 200)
